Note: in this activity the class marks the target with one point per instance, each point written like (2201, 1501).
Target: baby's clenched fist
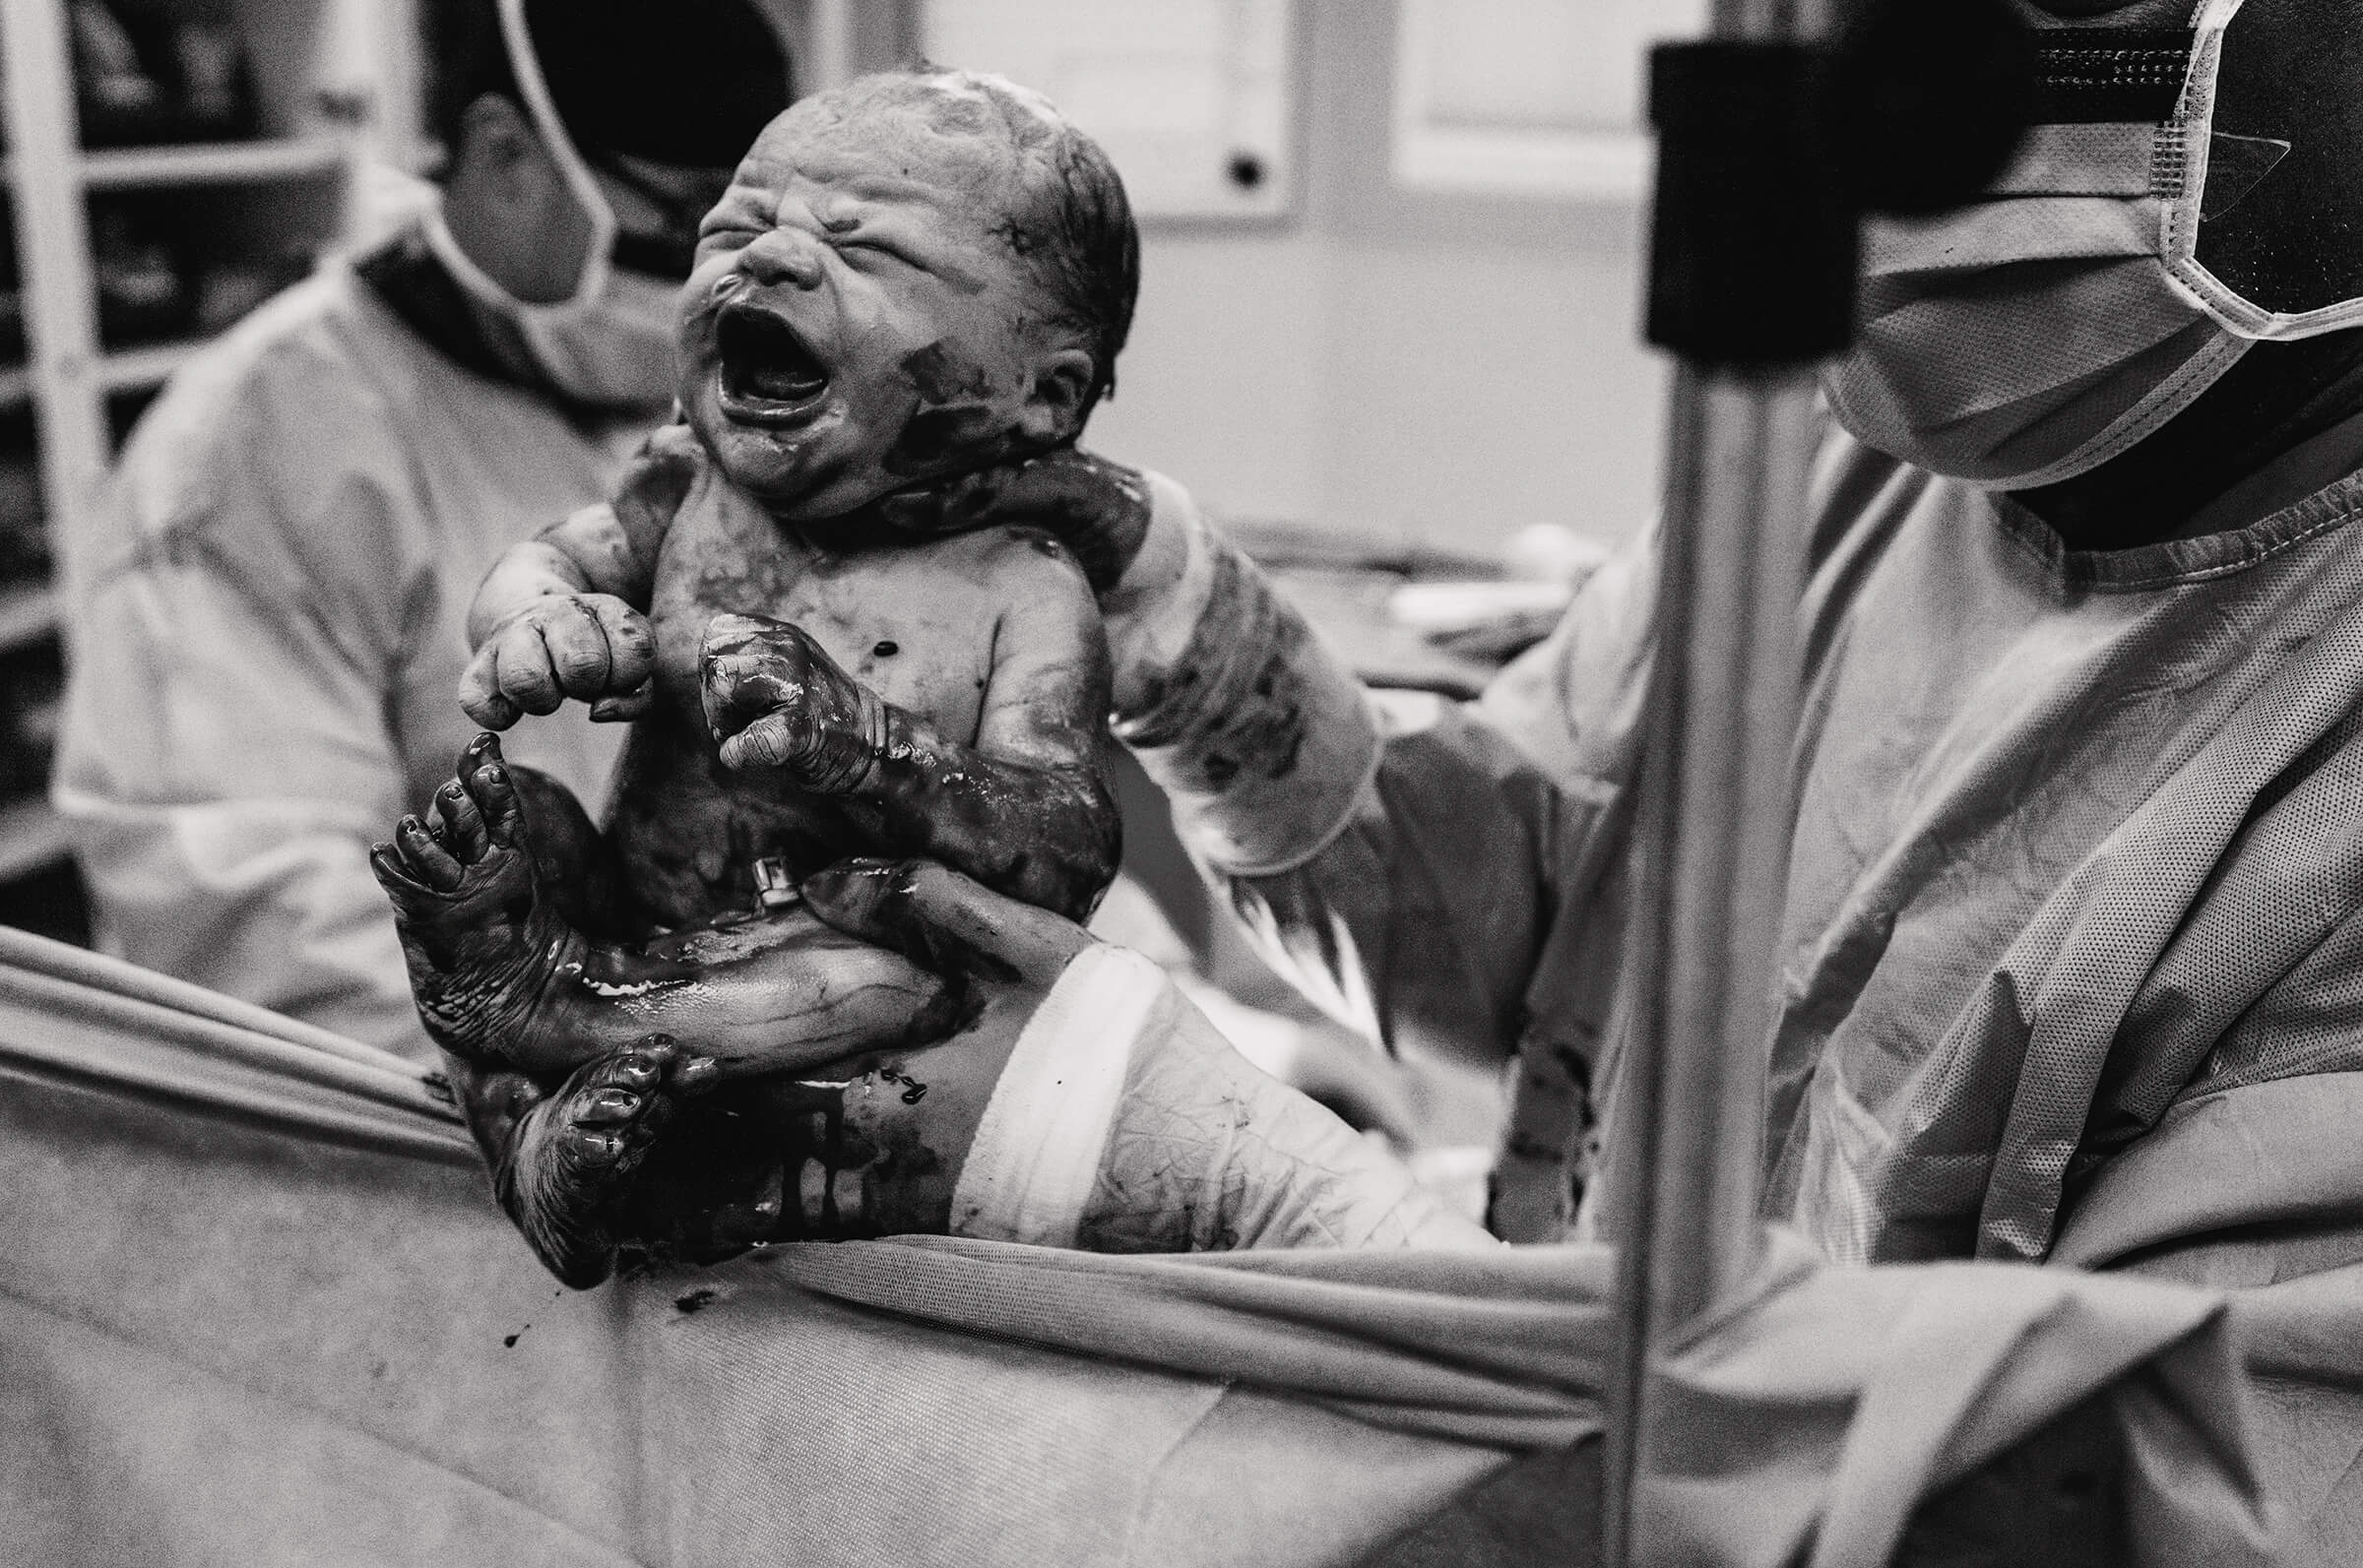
(774, 699)
(591, 646)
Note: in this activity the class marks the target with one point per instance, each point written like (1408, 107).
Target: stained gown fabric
(268, 628)
(2071, 967)
(256, 1307)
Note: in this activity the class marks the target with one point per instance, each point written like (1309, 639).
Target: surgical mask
(2024, 341)
(611, 344)
(2099, 289)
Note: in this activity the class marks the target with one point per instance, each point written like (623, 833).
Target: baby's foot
(573, 1155)
(482, 941)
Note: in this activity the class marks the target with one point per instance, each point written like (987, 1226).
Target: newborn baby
(916, 275)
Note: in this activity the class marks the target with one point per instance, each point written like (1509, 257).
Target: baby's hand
(591, 646)
(774, 699)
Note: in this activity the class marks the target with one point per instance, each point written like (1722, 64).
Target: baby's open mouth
(767, 372)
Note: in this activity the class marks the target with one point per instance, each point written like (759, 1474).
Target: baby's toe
(463, 824)
(636, 1068)
(394, 873)
(495, 796)
(483, 776)
(623, 1092)
(429, 862)
(484, 748)
(734, 686)
(607, 1107)
(590, 1146)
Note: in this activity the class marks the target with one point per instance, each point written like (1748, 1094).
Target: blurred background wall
(1429, 364)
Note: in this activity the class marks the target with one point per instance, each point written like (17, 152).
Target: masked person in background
(268, 622)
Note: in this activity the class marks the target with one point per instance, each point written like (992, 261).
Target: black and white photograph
(1181, 783)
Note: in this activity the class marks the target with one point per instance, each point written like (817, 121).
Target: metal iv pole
(1776, 131)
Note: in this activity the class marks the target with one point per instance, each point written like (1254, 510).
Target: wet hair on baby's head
(1069, 219)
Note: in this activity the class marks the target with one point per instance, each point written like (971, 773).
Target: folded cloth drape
(256, 1307)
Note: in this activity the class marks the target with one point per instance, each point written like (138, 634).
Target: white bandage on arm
(1231, 702)
(1036, 1158)
(1124, 1122)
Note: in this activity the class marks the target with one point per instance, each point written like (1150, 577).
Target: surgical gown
(2072, 965)
(2072, 846)
(268, 630)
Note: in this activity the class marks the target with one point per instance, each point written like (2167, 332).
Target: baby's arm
(1026, 810)
(559, 615)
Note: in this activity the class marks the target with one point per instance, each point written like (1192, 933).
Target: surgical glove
(591, 646)
(1120, 1120)
(1098, 508)
(774, 699)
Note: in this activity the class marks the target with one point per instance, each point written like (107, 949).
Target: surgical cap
(682, 81)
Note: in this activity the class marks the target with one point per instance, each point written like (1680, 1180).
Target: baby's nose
(782, 256)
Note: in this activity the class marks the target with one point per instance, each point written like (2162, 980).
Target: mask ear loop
(2178, 237)
(2184, 145)
(526, 65)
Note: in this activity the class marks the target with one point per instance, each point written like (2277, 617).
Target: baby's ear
(1055, 402)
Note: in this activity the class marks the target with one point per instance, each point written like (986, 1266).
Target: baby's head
(915, 275)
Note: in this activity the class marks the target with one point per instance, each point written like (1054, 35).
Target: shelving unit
(138, 369)
(213, 163)
(318, 70)
(33, 837)
(28, 614)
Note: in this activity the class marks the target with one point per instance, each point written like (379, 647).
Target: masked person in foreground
(2072, 958)
(2076, 875)
(269, 617)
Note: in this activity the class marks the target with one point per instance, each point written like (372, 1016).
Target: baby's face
(855, 325)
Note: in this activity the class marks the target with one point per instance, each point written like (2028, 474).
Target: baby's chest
(900, 622)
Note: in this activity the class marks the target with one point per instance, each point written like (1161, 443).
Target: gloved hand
(1098, 508)
(774, 699)
(591, 646)
(1010, 953)
(1152, 561)
(1088, 1104)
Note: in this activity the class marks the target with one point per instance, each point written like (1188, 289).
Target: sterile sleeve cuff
(1035, 1156)
(1153, 612)
(1258, 732)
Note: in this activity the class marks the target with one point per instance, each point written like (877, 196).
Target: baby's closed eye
(867, 252)
(713, 241)
(738, 219)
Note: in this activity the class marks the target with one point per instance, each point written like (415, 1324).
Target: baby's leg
(488, 910)
(584, 1177)
(1124, 1129)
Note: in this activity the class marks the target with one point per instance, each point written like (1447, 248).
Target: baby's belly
(907, 623)
(689, 840)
